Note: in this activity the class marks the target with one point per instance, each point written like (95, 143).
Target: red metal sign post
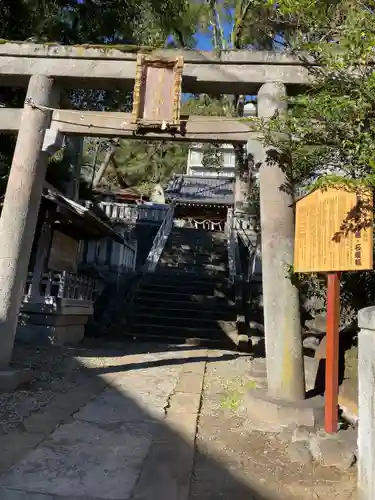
(333, 234)
(332, 353)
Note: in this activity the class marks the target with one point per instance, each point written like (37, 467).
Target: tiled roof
(91, 221)
(205, 190)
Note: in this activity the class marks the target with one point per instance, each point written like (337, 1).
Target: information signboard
(334, 231)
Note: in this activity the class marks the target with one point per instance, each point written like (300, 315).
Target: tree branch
(107, 159)
(239, 23)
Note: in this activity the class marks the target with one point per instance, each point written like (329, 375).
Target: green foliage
(256, 24)
(104, 23)
(330, 129)
(144, 163)
(92, 21)
(206, 105)
(326, 138)
(212, 156)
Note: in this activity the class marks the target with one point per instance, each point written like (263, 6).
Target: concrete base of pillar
(258, 372)
(270, 414)
(11, 379)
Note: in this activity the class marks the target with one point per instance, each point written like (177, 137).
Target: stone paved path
(145, 423)
(126, 427)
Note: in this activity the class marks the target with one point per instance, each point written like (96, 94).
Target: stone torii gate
(47, 69)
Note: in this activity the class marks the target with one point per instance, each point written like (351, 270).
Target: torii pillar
(20, 211)
(283, 336)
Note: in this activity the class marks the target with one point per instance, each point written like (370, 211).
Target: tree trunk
(103, 167)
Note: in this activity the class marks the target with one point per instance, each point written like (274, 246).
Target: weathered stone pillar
(21, 206)
(285, 371)
(366, 404)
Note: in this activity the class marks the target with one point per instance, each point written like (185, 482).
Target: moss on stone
(104, 47)
(121, 48)
(351, 364)
(18, 42)
(23, 42)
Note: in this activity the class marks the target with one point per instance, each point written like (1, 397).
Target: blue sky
(204, 42)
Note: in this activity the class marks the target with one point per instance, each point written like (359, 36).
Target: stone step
(191, 256)
(185, 255)
(168, 337)
(198, 269)
(209, 274)
(195, 246)
(186, 288)
(172, 332)
(184, 321)
(188, 254)
(186, 264)
(204, 242)
(185, 278)
(207, 304)
(175, 310)
(218, 298)
(188, 231)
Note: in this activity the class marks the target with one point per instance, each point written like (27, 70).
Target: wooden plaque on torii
(157, 92)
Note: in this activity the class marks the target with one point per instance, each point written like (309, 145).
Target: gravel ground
(232, 461)
(56, 370)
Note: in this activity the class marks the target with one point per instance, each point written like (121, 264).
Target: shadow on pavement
(121, 444)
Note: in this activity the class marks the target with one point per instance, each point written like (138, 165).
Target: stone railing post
(21, 206)
(285, 371)
(366, 404)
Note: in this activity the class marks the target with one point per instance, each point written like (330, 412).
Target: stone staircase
(188, 298)
(195, 251)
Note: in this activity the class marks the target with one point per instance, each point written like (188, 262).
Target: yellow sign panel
(334, 231)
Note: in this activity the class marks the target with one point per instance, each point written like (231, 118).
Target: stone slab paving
(125, 431)
(134, 424)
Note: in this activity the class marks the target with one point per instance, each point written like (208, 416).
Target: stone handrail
(120, 260)
(60, 285)
(234, 261)
(132, 213)
(250, 237)
(119, 211)
(160, 241)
